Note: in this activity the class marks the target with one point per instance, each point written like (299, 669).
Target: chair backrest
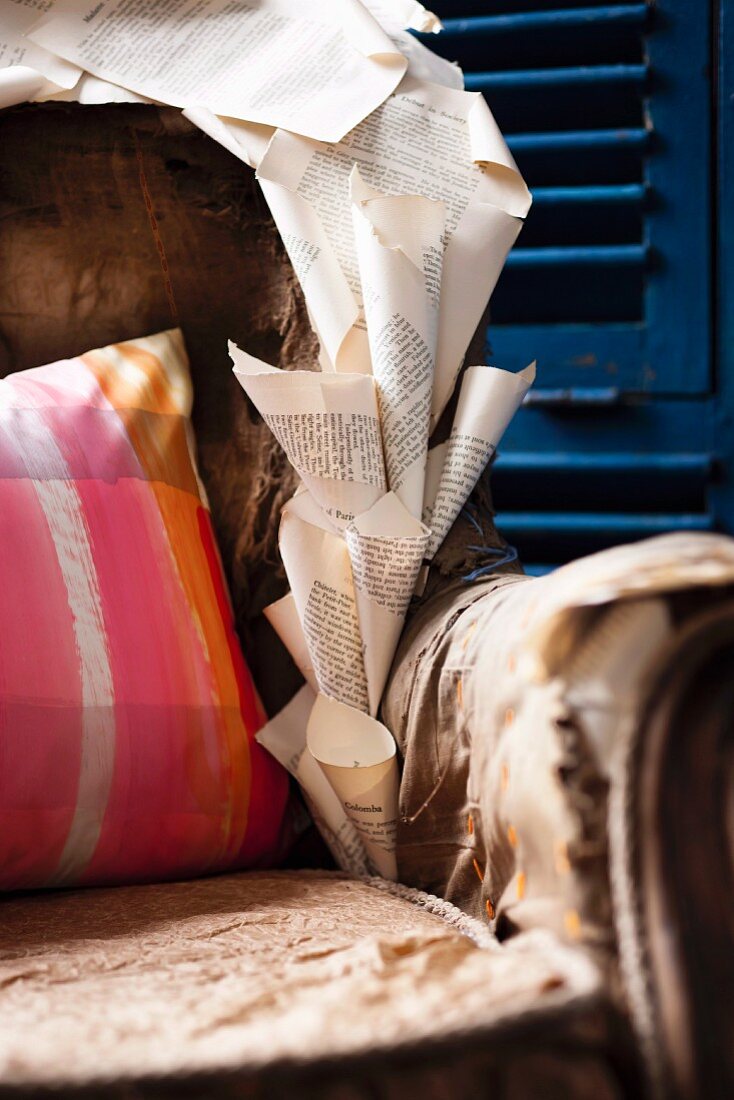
(123, 220)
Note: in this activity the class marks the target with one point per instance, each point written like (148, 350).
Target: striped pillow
(127, 714)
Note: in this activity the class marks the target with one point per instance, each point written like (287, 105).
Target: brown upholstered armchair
(590, 836)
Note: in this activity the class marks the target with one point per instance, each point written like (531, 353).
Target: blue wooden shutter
(607, 108)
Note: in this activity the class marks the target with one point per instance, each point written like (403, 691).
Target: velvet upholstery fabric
(291, 983)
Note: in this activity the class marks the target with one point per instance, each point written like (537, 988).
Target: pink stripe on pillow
(40, 695)
(167, 711)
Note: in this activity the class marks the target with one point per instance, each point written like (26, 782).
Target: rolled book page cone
(357, 756)
(284, 737)
(399, 241)
(329, 427)
(332, 309)
(283, 617)
(434, 468)
(488, 400)
(425, 139)
(386, 548)
(319, 571)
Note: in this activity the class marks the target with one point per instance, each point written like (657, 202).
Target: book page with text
(426, 140)
(315, 69)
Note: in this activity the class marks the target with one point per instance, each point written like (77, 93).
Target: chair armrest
(672, 860)
(545, 770)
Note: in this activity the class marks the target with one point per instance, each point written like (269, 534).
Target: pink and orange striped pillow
(127, 715)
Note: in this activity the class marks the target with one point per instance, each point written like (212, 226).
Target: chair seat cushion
(262, 975)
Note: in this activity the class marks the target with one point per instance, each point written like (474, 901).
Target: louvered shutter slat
(620, 255)
(570, 141)
(545, 78)
(526, 21)
(560, 196)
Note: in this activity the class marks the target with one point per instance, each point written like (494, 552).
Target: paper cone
(399, 240)
(488, 401)
(435, 462)
(386, 548)
(357, 755)
(331, 819)
(284, 737)
(319, 571)
(329, 427)
(283, 617)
